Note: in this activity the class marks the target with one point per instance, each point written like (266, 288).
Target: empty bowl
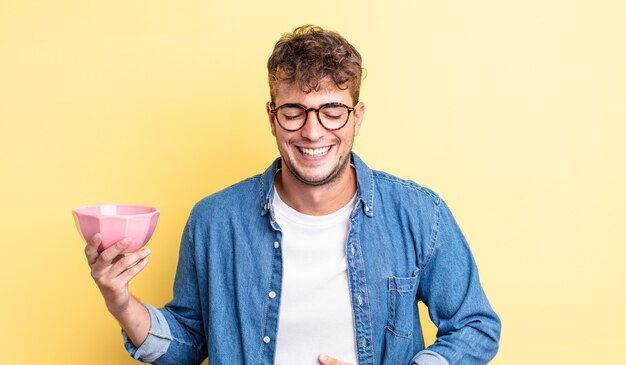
(115, 222)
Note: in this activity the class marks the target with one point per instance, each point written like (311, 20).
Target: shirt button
(359, 299)
(266, 339)
(272, 294)
(276, 244)
(367, 209)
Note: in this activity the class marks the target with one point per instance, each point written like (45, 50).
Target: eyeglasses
(292, 117)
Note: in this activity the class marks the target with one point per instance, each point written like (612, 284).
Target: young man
(319, 260)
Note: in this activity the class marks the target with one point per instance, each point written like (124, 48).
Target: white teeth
(315, 151)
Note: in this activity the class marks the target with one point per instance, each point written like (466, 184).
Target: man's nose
(313, 128)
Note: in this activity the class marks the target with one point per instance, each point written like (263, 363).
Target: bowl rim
(80, 210)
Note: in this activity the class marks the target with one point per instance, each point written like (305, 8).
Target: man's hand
(327, 360)
(112, 271)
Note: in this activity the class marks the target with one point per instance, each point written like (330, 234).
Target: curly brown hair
(309, 56)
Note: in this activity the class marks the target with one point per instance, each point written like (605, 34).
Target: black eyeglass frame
(306, 114)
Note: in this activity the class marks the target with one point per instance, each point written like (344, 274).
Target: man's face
(313, 155)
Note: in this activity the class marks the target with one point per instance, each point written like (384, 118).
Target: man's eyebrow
(294, 104)
(319, 106)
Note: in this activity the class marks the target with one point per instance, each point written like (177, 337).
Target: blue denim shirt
(403, 246)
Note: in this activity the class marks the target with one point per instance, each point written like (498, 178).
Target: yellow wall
(515, 112)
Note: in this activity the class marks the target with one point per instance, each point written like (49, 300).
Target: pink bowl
(115, 222)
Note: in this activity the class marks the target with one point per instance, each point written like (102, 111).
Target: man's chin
(317, 180)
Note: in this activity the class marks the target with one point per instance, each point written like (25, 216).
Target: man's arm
(468, 328)
(112, 271)
(170, 336)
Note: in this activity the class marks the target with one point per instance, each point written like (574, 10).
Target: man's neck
(316, 200)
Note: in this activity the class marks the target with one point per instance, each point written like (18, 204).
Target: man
(319, 260)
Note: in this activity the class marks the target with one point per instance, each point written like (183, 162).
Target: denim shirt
(403, 246)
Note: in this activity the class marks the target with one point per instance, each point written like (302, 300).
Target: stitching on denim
(393, 330)
(190, 344)
(371, 191)
(261, 190)
(273, 170)
(390, 326)
(188, 227)
(402, 288)
(267, 303)
(434, 236)
(160, 336)
(268, 286)
(410, 184)
(369, 315)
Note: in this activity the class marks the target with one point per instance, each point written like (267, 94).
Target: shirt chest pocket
(402, 302)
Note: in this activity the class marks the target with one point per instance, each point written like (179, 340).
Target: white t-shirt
(315, 306)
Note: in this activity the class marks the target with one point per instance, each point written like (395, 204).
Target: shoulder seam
(409, 184)
(434, 236)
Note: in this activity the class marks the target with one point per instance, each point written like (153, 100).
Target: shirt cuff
(428, 357)
(157, 342)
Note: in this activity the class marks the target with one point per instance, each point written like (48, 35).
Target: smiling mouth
(315, 152)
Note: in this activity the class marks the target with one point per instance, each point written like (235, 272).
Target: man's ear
(359, 112)
(271, 117)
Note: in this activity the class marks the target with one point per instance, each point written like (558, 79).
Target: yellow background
(515, 112)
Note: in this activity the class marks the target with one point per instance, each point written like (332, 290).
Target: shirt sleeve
(176, 335)
(157, 342)
(468, 328)
(427, 357)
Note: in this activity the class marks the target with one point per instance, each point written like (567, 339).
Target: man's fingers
(95, 241)
(105, 259)
(127, 275)
(117, 259)
(124, 262)
(327, 360)
(91, 250)
(115, 250)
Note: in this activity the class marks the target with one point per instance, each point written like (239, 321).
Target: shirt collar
(364, 177)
